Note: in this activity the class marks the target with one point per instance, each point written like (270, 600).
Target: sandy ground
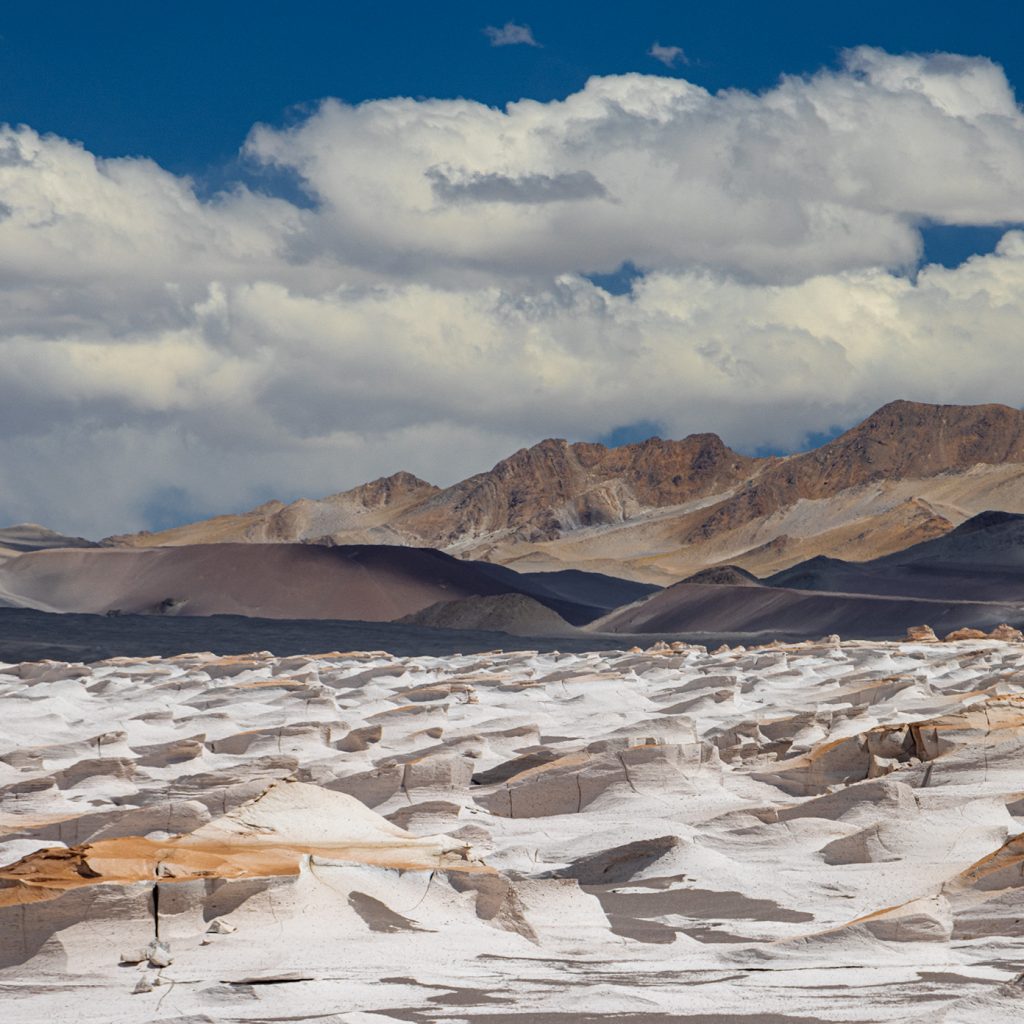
(695, 607)
(291, 581)
(287, 581)
(814, 832)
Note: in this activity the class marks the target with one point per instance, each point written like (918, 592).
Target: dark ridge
(984, 521)
(724, 575)
(981, 560)
(774, 612)
(803, 574)
(578, 596)
(291, 581)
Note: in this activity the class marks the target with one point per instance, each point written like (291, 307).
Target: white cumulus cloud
(430, 310)
(510, 34)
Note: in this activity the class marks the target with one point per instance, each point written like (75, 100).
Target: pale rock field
(789, 834)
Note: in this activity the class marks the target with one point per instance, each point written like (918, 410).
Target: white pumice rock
(608, 833)
(158, 954)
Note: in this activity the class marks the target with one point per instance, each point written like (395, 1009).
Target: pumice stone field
(822, 831)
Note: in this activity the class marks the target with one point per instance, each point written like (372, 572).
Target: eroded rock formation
(363, 834)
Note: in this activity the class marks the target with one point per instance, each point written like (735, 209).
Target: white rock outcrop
(617, 834)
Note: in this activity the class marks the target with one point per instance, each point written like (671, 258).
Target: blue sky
(252, 250)
(183, 82)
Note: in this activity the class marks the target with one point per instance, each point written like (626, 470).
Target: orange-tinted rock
(965, 634)
(1007, 633)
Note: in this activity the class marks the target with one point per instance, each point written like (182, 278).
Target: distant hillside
(663, 510)
(293, 581)
(981, 560)
(537, 494)
(32, 537)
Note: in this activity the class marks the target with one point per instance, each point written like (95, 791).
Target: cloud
(511, 34)
(428, 309)
(819, 174)
(528, 188)
(670, 56)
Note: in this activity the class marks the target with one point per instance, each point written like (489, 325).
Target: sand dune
(973, 576)
(970, 577)
(295, 581)
(714, 608)
(787, 834)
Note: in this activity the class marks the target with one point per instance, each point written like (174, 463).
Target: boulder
(1007, 633)
(965, 633)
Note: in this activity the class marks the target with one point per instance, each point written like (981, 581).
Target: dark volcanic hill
(764, 613)
(517, 614)
(981, 560)
(293, 581)
(579, 597)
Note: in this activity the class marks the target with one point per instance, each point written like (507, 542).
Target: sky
(264, 250)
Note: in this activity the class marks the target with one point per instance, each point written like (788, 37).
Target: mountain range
(915, 515)
(658, 511)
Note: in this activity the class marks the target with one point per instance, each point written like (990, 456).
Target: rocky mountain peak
(387, 490)
(539, 493)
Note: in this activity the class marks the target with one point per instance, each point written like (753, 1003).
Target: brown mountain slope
(538, 493)
(908, 473)
(542, 492)
(901, 440)
(362, 515)
(662, 510)
(907, 439)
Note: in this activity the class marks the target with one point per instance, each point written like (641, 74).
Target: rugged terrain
(662, 510)
(789, 834)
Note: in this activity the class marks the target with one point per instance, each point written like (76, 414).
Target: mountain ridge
(657, 510)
